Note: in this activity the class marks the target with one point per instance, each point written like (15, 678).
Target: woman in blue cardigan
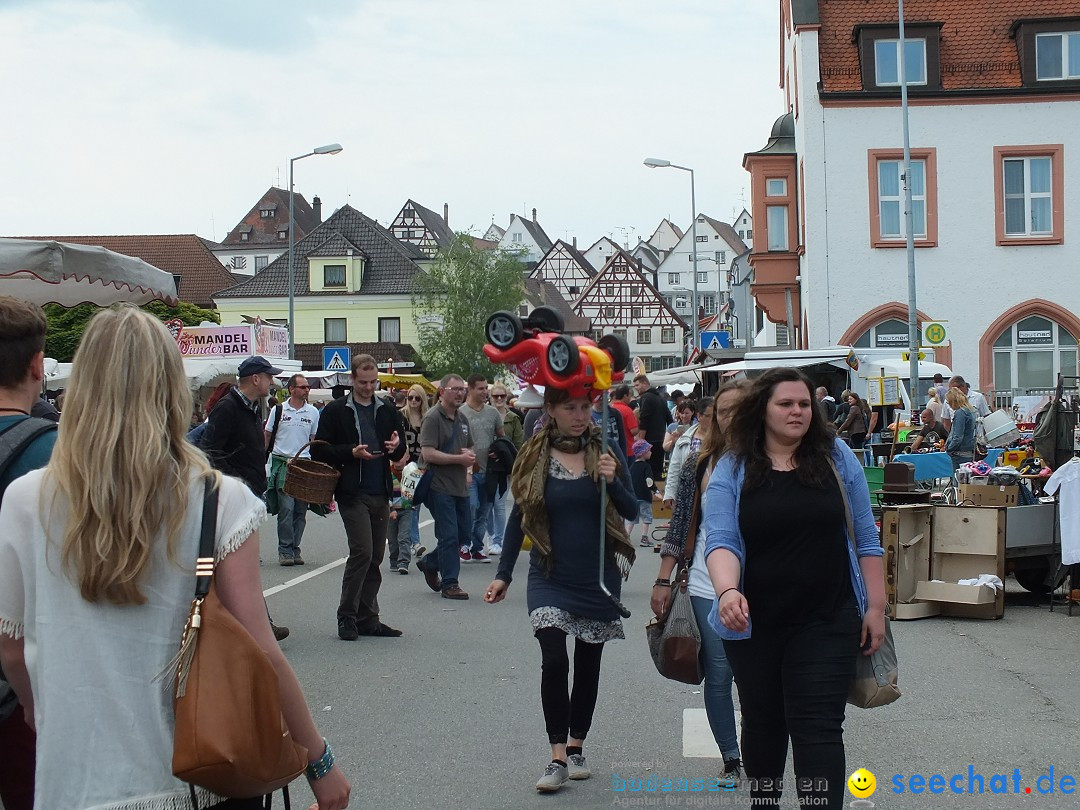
(796, 598)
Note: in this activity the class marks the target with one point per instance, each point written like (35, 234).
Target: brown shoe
(454, 593)
(430, 577)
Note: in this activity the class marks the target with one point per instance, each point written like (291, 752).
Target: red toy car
(537, 352)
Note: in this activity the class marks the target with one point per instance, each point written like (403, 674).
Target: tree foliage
(65, 325)
(453, 299)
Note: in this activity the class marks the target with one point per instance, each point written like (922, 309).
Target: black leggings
(567, 714)
(793, 681)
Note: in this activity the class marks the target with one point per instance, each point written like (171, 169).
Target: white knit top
(104, 718)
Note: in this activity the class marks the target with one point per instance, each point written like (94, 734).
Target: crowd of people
(759, 468)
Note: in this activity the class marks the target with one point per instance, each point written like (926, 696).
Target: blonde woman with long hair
(412, 416)
(961, 442)
(97, 558)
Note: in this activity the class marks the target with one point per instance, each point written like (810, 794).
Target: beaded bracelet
(320, 767)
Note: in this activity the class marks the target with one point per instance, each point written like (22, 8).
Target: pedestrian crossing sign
(336, 358)
(715, 340)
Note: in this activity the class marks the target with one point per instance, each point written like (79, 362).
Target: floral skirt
(591, 631)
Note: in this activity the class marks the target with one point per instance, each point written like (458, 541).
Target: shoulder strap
(204, 566)
(278, 410)
(701, 479)
(15, 439)
(847, 505)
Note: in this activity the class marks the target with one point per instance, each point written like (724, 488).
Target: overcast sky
(141, 116)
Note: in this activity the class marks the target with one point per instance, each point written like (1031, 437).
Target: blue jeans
(291, 520)
(719, 707)
(414, 526)
(481, 510)
(453, 523)
(497, 522)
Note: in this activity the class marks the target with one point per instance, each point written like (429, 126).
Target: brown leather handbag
(230, 735)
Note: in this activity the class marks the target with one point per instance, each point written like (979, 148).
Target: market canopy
(48, 272)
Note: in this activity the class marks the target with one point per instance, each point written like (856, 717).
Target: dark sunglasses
(498, 396)
(415, 399)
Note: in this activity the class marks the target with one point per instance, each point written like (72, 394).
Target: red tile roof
(264, 230)
(977, 48)
(185, 255)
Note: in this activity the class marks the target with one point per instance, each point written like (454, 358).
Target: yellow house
(352, 286)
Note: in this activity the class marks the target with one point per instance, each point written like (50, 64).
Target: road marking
(697, 736)
(315, 572)
(304, 577)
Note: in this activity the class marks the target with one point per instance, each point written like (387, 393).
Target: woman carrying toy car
(556, 488)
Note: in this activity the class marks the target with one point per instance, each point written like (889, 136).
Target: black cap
(256, 365)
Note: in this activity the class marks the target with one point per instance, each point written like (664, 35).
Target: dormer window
(1057, 56)
(334, 275)
(283, 233)
(879, 55)
(245, 236)
(887, 62)
(266, 213)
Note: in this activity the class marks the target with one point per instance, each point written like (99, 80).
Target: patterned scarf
(528, 484)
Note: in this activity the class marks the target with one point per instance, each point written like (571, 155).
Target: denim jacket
(722, 523)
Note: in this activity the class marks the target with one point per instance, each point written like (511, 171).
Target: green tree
(453, 299)
(66, 324)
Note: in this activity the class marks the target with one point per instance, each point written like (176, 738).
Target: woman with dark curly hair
(797, 598)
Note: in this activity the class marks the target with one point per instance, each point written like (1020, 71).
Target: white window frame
(708, 303)
(778, 237)
(1028, 195)
(1067, 39)
(899, 199)
(667, 334)
(644, 335)
(895, 56)
(673, 278)
(773, 191)
(703, 277)
(344, 277)
(704, 238)
(261, 262)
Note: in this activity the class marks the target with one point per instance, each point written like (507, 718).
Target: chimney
(446, 213)
(534, 215)
(316, 206)
(575, 243)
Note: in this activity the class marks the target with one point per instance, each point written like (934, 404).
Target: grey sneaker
(576, 767)
(732, 772)
(554, 777)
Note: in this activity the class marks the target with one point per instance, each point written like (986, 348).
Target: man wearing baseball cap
(234, 438)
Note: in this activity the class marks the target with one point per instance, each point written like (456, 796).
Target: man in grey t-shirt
(444, 447)
(485, 423)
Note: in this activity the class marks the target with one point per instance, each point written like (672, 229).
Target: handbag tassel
(181, 664)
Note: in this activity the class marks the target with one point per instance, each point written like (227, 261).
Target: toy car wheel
(504, 329)
(562, 356)
(618, 349)
(545, 319)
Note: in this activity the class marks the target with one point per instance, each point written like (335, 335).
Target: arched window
(1031, 353)
(889, 334)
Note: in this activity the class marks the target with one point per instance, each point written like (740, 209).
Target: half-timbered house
(526, 238)
(422, 227)
(566, 268)
(620, 299)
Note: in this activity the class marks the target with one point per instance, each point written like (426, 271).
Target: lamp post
(329, 149)
(913, 312)
(658, 163)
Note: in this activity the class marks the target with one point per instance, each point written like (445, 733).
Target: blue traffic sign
(336, 358)
(715, 340)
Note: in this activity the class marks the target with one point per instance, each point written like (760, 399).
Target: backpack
(13, 442)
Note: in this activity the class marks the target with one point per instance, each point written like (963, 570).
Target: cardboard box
(906, 533)
(967, 541)
(988, 495)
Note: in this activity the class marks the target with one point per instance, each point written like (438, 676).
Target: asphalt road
(448, 716)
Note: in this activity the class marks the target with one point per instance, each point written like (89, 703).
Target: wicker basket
(308, 480)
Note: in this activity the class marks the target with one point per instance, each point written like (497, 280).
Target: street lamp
(329, 149)
(658, 163)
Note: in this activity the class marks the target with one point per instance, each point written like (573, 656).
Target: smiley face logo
(862, 784)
